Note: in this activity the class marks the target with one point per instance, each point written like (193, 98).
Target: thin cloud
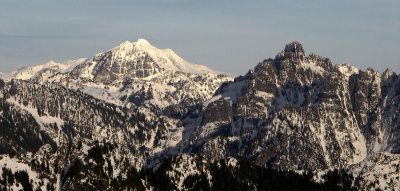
(36, 36)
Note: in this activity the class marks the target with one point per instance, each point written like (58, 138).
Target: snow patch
(47, 119)
(313, 67)
(347, 70)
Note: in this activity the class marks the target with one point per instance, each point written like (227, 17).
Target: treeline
(214, 176)
(246, 176)
(95, 172)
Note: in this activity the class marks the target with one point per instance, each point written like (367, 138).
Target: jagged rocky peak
(294, 54)
(293, 50)
(388, 73)
(293, 60)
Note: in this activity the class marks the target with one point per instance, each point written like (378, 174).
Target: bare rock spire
(294, 50)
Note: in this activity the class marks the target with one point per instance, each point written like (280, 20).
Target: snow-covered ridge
(51, 66)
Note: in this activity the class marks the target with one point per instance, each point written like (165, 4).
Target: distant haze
(228, 35)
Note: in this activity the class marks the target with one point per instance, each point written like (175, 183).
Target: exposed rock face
(128, 60)
(294, 50)
(301, 112)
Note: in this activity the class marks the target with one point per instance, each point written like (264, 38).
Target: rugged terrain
(136, 116)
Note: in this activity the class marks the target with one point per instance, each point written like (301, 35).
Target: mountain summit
(136, 60)
(294, 49)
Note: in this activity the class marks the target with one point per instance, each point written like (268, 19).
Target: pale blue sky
(228, 35)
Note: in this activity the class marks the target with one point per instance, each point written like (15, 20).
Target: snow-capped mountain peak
(149, 60)
(135, 60)
(133, 72)
(140, 44)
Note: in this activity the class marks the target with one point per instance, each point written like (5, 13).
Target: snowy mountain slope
(55, 108)
(57, 127)
(379, 171)
(139, 116)
(11, 166)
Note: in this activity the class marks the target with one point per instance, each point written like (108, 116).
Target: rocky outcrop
(302, 112)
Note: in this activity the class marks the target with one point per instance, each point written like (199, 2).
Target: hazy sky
(228, 35)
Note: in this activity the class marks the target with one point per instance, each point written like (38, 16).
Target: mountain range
(138, 117)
